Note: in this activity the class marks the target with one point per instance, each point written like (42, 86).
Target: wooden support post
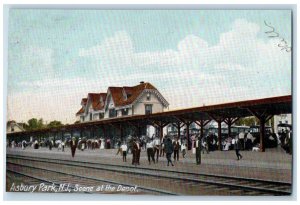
(91, 133)
(220, 134)
(229, 123)
(201, 128)
(188, 135)
(81, 133)
(121, 133)
(104, 132)
(138, 131)
(219, 120)
(178, 130)
(161, 132)
(262, 122)
(263, 118)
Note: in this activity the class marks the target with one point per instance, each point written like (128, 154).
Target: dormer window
(148, 96)
(101, 101)
(124, 94)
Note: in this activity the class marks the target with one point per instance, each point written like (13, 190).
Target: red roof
(84, 101)
(80, 111)
(131, 93)
(94, 99)
(118, 96)
(100, 104)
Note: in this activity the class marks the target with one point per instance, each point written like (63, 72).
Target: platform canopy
(259, 107)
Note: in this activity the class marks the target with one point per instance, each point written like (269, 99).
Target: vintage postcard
(149, 102)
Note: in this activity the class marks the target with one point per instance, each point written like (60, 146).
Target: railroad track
(72, 183)
(222, 185)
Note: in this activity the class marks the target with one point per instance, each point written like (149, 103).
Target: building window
(148, 96)
(125, 112)
(12, 128)
(91, 116)
(112, 113)
(148, 109)
(82, 118)
(101, 115)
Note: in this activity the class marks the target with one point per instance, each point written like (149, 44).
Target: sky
(193, 57)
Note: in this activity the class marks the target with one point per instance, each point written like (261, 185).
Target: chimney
(142, 82)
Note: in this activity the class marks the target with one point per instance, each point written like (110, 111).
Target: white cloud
(241, 66)
(37, 61)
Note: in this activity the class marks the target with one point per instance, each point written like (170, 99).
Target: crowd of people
(155, 148)
(168, 146)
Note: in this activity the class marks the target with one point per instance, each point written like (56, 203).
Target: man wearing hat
(134, 151)
(198, 150)
(73, 145)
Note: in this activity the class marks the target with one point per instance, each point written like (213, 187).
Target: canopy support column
(263, 118)
(219, 120)
(202, 123)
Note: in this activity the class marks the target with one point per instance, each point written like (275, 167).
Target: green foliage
(35, 124)
(247, 121)
(54, 124)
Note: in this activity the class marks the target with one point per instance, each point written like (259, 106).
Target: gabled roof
(116, 94)
(132, 93)
(83, 101)
(121, 96)
(94, 99)
(99, 105)
(80, 111)
(14, 123)
(10, 122)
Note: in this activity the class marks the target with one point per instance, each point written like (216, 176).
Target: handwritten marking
(273, 34)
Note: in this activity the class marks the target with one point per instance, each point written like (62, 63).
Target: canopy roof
(266, 106)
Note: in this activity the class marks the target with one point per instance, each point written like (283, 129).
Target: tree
(54, 123)
(248, 121)
(34, 124)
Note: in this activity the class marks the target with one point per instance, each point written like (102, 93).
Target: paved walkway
(274, 164)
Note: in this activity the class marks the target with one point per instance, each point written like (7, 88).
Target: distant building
(122, 101)
(13, 126)
(282, 119)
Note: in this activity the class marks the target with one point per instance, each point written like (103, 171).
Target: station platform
(274, 164)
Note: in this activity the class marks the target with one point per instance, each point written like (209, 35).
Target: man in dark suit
(138, 154)
(198, 150)
(237, 147)
(73, 145)
(176, 146)
(169, 150)
(134, 152)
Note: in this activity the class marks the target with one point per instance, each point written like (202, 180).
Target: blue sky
(193, 57)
